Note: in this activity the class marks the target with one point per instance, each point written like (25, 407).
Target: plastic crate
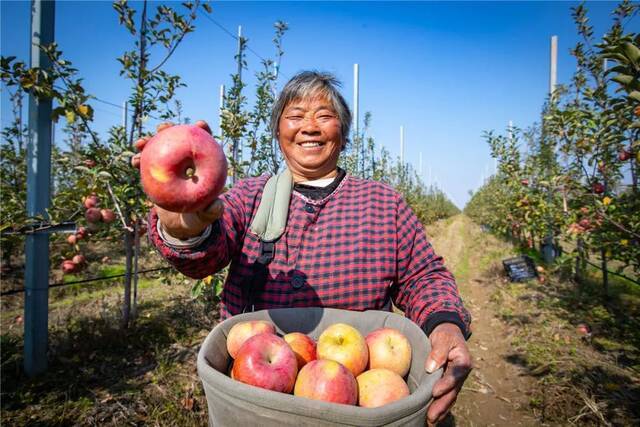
(232, 403)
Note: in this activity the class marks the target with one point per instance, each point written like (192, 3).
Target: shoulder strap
(269, 224)
(271, 218)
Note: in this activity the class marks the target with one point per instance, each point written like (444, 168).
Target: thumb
(437, 357)
(212, 213)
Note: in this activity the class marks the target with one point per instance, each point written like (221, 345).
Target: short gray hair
(306, 84)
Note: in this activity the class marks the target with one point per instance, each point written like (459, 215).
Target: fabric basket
(232, 403)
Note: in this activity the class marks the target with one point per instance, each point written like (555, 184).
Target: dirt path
(496, 393)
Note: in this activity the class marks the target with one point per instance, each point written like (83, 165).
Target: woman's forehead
(310, 101)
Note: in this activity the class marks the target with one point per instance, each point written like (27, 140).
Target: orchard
(121, 329)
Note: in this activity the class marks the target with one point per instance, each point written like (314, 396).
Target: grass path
(496, 393)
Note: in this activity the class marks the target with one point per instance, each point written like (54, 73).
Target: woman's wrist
(187, 243)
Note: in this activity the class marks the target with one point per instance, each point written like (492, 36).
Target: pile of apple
(342, 367)
(94, 214)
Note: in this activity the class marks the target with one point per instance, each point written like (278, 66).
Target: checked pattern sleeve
(226, 237)
(425, 290)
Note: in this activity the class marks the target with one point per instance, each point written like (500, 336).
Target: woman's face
(310, 138)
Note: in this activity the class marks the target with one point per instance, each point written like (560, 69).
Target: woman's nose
(310, 126)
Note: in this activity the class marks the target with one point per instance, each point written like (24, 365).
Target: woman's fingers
(203, 125)
(139, 144)
(135, 161)
(163, 126)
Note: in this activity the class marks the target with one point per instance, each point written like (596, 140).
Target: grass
(101, 374)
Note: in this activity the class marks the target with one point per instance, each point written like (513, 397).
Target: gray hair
(305, 85)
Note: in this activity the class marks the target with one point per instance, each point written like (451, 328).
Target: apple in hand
(389, 349)
(183, 169)
(344, 344)
(303, 347)
(378, 387)
(266, 360)
(242, 331)
(327, 380)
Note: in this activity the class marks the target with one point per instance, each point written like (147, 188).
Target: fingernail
(431, 366)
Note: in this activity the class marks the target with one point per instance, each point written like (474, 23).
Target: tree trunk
(605, 273)
(126, 307)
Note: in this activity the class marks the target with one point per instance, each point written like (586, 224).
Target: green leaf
(635, 95)
(632, 52)
(82, 169)
(623, 79)
(207, 7)
(105, 175)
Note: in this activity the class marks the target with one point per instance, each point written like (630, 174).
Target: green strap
(271, 218)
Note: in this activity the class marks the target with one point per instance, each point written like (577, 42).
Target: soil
(497, 391)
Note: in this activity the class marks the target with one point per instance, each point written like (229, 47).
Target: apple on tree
(183, 169)
(266, 360)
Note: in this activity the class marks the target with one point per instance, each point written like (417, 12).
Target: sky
(445, 71)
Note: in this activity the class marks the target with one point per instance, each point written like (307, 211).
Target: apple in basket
(242, 331)
(266, 360)
(378, 387)
(344, 344)
(389, 349)
(303, 346)
(327, 380)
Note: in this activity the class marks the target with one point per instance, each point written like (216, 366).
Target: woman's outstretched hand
(177, 224)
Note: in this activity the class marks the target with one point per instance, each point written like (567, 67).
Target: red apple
(242, 331)
(81, 233)
(107, 216)
(266, 360)
(183, 169)
(327, 380)
(89, 163)
(303, 347)
(389, 349)
(69, 266)
(72, 239)
(79, 259)
(585, 223)
(378, 387)
(624, 155)
(344, 344)
(93, 215)
(524, 182)
(597, 188)
(91, 201)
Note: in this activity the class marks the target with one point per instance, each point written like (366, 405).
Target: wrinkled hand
(182, 225)
(448, 349)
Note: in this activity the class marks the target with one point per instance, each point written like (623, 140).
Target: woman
(349, 243)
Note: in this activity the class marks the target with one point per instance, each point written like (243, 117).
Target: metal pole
(402, 153)
(125, 113)
(547, 247)
(221, 95)
(553, 69)
(36, 302)
(236, 142)
(356, 121)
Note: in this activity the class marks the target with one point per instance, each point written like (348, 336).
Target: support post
(36, 304)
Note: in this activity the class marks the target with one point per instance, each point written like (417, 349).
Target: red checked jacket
(359, 248)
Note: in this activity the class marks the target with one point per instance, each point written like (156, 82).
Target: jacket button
(297, 282)
(309, 208)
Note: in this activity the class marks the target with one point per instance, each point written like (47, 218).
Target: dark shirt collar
(318, 193)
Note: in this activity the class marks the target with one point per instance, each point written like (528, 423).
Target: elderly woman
(349, 243)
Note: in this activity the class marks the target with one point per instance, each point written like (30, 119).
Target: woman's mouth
(311, 144)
